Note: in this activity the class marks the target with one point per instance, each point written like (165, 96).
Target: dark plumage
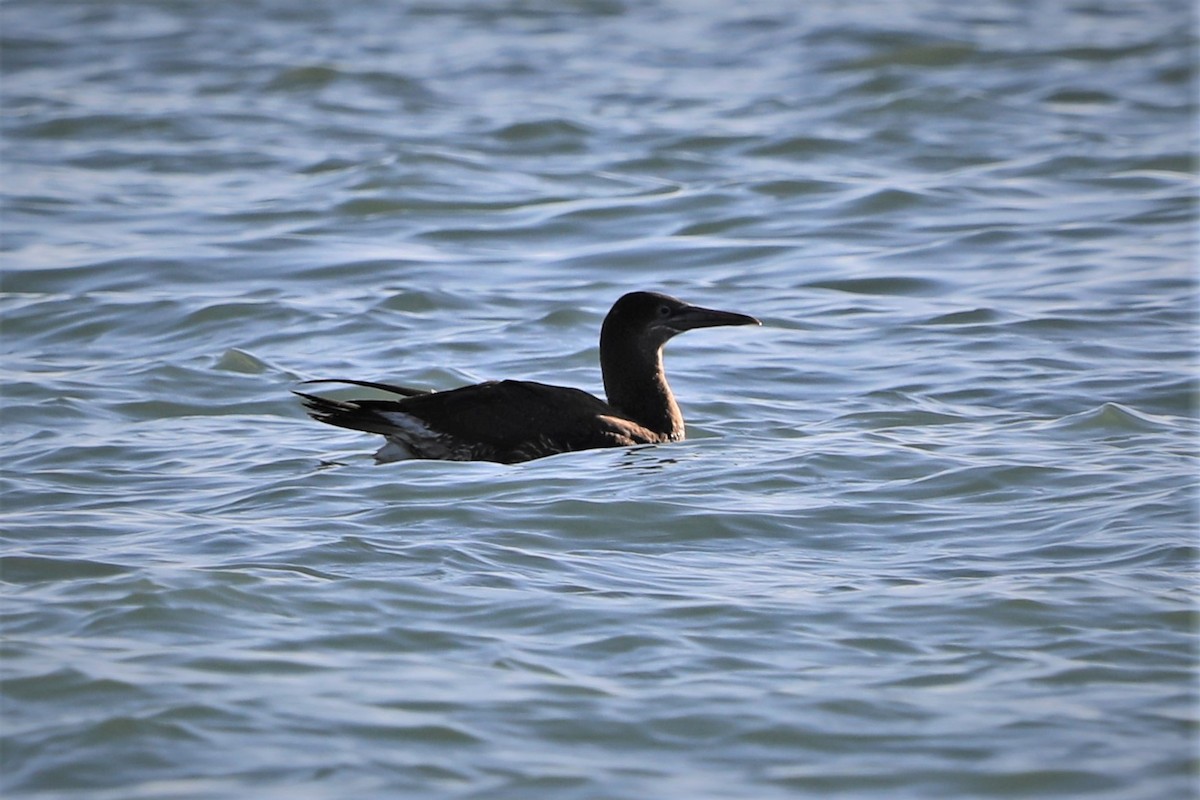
(511, 421)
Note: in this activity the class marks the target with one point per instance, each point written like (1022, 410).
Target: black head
(650, 319)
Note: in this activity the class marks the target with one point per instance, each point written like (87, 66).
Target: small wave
(543, 136)
(42, 569)
(884, 285)
(1111, 417)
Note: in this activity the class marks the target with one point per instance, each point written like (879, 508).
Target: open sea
(933, 534)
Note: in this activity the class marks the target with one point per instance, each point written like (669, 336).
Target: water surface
(932, 533)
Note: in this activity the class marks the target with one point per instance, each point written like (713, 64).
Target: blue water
(932, 534)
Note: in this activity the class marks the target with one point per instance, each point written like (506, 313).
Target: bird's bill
(689, 317)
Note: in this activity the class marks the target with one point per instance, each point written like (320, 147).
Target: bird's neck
(637, 387)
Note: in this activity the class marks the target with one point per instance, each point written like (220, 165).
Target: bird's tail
(354, 415)
(403, 391)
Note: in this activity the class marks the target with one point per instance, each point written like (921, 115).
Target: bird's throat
(636, 385)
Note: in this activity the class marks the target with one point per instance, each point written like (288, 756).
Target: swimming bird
(511, 421)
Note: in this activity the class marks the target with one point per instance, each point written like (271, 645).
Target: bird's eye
(664, 311)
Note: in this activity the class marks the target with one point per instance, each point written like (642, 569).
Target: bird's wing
(510, 414)
(501, 420)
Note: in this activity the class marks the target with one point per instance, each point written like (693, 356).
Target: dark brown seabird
(512, 421)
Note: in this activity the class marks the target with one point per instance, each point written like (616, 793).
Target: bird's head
(650, 319)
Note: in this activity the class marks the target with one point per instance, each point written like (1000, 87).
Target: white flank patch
(394, 450)
(414, 439)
